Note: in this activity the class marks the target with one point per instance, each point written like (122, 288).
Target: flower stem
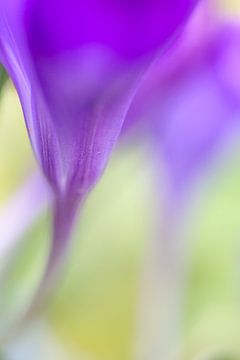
(64, 215)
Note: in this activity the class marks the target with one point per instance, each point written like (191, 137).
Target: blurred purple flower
(189, 101)
(76, 66)
(188, 106)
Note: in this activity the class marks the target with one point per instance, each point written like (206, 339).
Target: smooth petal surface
(15, 57)
(130, 28)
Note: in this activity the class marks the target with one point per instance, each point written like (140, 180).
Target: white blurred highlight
(23, 208)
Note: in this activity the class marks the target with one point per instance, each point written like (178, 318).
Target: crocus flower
(76, 65)
(189, 106)
(189, 101)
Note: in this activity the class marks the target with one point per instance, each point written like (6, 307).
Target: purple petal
(130, 28)
(200, 110)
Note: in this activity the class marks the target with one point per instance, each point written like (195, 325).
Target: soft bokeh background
(93, 313)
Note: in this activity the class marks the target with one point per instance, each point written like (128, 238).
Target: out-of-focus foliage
(212, 303)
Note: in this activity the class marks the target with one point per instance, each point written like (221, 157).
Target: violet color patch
(130, 28)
